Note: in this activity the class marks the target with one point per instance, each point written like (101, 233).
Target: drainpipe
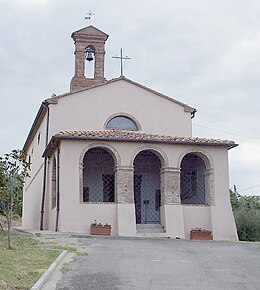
(58, 190)
(46, 105)
(193, 113)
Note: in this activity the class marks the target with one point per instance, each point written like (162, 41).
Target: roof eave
(55, 140)
(36, 123)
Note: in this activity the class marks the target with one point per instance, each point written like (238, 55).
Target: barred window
(193, 180)
(98, 176)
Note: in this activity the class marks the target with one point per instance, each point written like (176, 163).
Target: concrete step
(151, 235)
(149, 228)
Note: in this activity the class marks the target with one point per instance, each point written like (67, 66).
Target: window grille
(108, 187)
(192, 180)
(137, 197)
(157, 199)
(98, 177)
(85, 193)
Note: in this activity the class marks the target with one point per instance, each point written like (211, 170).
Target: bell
(89, 56)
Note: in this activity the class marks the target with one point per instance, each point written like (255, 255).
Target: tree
(247, 215)
(234, 198)
(13, 170)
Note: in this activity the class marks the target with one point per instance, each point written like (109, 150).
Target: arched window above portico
(122, 121)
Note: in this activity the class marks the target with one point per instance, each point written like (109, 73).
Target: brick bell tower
(89, 47)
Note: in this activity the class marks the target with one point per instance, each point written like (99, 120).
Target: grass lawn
(22, 266)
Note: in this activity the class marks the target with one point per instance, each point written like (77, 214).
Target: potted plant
(200, 234)
(100, 229)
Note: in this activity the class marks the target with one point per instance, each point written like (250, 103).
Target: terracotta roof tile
(138, 136)
(133, 136)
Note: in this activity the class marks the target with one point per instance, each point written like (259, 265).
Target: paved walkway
(118, 263)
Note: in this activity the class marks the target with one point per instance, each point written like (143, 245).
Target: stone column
(209, 187)
(124, 183)
(171, 208)
(170, 186)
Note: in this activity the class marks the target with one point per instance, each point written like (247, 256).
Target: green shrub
(247, 216)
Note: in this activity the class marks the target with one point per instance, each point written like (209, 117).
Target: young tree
(13, 170)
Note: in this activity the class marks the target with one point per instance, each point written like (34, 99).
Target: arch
(154, 149)
(204, 155)
(98, 176)
(110, 149)
(105, 146)
(204, 179)
(92, 47)
(147, 187)
(126, 115)
(90, 66)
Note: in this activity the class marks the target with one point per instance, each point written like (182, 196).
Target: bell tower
(89, 49)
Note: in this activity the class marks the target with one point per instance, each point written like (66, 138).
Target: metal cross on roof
(121, 57)
(88, 17)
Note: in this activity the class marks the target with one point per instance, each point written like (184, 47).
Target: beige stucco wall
(177, 219)
(196, 217)
(33, 184)
(155, 114)
(74, 215)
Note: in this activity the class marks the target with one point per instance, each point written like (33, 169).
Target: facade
(120, 153)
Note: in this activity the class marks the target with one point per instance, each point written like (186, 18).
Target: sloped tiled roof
(90, 30)
(135, 136)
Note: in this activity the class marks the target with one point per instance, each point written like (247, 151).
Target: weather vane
(88, 17)
(121, 57)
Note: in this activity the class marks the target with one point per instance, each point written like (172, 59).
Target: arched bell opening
(147, 188)
(90, 61)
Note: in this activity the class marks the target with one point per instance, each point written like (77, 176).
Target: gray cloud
(204, 53)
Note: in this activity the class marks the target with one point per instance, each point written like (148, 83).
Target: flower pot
(201, 235)
(100, 230)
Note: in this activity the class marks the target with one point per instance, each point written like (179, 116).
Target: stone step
(151, 235)
(149, 228)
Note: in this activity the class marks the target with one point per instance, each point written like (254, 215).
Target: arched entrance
(147, 191)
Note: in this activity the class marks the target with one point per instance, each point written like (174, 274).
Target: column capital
(124, 168)
(170, 170)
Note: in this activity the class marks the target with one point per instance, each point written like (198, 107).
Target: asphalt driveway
(163, 264)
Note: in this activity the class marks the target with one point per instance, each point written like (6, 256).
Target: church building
(118, 152)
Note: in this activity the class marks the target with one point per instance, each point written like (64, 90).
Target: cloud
(33, 2)
(203, 53)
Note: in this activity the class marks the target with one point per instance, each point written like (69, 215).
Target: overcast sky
(203, 53)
